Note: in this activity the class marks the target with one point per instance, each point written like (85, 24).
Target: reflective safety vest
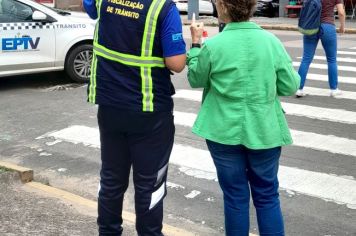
(128, 70)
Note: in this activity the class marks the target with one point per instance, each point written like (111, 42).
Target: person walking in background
(243, 71)
(136, 45)
(327, 35)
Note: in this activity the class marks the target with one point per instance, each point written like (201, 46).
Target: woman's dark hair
(239, 10)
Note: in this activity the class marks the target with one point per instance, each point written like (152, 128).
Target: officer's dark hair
(239, 10)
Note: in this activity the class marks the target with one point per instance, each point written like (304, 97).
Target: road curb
(25, 174)
(78, 200)
(272, 26)
(295, 28)
(127, 216)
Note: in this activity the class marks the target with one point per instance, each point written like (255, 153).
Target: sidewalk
(25, 212)
(277, 23)
(32, 208)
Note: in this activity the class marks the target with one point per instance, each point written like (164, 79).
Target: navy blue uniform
(144, 142)
(133, 88)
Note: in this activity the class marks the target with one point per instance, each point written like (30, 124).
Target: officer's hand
(196, 30)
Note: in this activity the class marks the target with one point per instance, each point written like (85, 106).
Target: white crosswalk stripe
(325, 67)
(328, 143)
(198, 163)
(335, 115)
(332, 188)
(339, 59)
(346, 52)
(341, 79)
(326, 93)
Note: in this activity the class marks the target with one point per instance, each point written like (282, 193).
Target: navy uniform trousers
(143, 141)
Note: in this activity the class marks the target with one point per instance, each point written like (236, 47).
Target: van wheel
(78, 63)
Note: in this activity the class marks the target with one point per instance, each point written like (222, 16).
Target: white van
(35, 38)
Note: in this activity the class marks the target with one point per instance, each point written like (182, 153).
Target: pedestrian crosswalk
(326, 93)
(335, 115)
(328, 143)
(350, 52)
(324, 77)
(341, 59)
(197, 162)
(325, 67)
(336, 187)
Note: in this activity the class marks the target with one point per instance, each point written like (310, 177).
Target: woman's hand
(196, 30)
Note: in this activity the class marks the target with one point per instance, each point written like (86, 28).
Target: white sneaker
(335, 93)
(300, 93)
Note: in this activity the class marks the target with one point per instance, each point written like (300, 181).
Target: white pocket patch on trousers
(157, 195)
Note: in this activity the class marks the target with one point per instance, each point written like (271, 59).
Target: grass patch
(3, 169)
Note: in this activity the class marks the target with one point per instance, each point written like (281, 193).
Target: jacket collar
(241, 25)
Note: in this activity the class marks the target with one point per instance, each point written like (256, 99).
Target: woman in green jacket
(243, 71)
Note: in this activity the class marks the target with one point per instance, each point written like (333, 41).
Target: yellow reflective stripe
(92, 88)
(147, 103)
(154, 26)
(147, 24)
(128, 59)
(146, 51)
(98, 8)
(151, 95)
(94, 63)
(129, 56)
(143, 87)
(150, 27)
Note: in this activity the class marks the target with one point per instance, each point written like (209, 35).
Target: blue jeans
(240, 169)
(328, 37)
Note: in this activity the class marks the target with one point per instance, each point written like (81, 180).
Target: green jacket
(243, 70)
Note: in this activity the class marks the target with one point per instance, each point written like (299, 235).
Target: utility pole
(282, 5)
(193, 7)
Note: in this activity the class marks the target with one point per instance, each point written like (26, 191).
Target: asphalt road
(318, 186)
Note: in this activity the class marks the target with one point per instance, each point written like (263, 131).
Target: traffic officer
(137, 44)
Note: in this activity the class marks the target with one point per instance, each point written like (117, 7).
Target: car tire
(276, 13)
(78, 63)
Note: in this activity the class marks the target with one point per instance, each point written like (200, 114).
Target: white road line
(341, 79)
(53, 143)
(326, 93)
(347, 52)
(334, 115)
(324, 66)
(328, 187)
(339, 59)
(327, 143)
(175, 186)
(321, 185)
(194, 95)
(192, 194)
